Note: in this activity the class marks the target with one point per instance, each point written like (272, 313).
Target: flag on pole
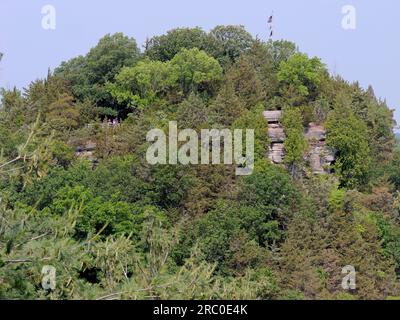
(270, 23)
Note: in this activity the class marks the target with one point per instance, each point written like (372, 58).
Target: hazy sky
(369, 54)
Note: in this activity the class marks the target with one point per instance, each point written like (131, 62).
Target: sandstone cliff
(319, 156)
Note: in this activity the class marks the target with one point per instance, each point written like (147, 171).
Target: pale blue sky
(369, 54)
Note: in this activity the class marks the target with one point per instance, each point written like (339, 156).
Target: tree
(393, 170)
(295, 143)
(268, 200)
(141, 85)
(13, 110)
(348, 135)
(97, 215)
(165, 47)
(281, 51)
(41, 94)
(193, 70)
(232, 41)
(88, 74)
(243, 77)
(193, 113)
(227, 105)
(63, 114)
(268, 188)
(189, 70)
(250, 119)
(379, 120)
(215, 231)
(301, 75)
(34, 156)
(380, 127)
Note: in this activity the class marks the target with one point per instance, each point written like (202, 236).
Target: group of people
(112, 123)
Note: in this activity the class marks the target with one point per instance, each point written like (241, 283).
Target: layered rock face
(319, 155)
(84, 149)
(276, 152)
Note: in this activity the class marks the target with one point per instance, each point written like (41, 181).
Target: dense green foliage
(349, 136)
(77, 193)
(295, 143)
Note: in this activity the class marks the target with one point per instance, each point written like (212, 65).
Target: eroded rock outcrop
(84, 149)
(319, 156)
(276, 152)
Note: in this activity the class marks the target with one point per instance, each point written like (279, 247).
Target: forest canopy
(76, 192)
